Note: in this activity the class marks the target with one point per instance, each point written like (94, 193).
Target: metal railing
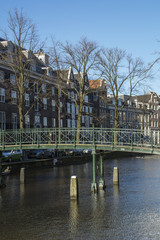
(92, 136)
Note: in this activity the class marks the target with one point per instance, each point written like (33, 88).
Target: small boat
(6, 171)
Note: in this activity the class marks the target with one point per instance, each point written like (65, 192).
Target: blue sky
(132, 25)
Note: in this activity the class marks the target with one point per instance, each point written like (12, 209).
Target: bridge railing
(105, 136)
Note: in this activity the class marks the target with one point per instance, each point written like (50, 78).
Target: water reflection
(73, 216)
(116, 194)
(22, 192)
(41, 208)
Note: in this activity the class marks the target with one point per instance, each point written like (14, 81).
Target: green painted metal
(129, 140)
(94, 184)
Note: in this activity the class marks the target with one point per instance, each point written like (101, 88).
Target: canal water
(42, 210)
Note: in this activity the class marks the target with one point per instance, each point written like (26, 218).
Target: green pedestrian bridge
(128, 140)
(97, 139)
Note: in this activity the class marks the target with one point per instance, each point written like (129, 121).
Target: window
(33, 67)
(112, 115)
(26, 83)
(45, 103)
(13, 97)
(82, 119)
(27, 100)
(12, 78)
(68, 108)
(68, 123)
(1, 76)
(73, 123)
(53, 122)
(2, 120)
(36, 103)
(35, 87)
(124, 116)
(27, 121)
(61, 122)
(61, 106)
(86, 99)
(53, 105)
(44, 87)
(14, 120)
(45, 121)
(53, 91)
(36, 119)
(2, 95)
(90, 109)
(90, 120)
(73, 108)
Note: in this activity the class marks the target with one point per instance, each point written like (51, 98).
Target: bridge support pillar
(94, 184)
(22, 175)
(101, 179)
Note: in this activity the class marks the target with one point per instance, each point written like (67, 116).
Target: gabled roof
(95, 84)
(142, 98)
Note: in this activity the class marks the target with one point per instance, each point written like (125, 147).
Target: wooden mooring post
(74, 187)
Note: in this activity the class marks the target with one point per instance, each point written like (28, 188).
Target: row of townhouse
(41, 104)
(138, 112)
(44, 93)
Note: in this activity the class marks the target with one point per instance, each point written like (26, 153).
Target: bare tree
(58, 66)
(122, 74)
(82, 57)
(24, 36)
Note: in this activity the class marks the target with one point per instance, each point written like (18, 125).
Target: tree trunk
(115, 122)
(79, 122)
(20, 117)
(59, 124)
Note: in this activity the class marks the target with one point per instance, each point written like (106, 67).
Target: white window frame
(44, 88)
(53, 91)
(2, 95)
(36, 119)
(45, 121)
(53, 105)
(45, 103)
(12, 78)
(53, 122)
(36, 103)
(14, 120)
(13, 97)
(26, 83)
(27, 100)
(27, 121)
